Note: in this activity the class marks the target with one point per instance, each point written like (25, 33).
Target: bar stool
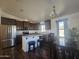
(31, 46)
(39, 43)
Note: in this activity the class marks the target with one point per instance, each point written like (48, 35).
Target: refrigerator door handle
(6, 40)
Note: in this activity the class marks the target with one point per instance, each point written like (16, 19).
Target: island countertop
(28, 38)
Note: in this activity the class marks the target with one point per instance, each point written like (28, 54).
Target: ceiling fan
(53, 13)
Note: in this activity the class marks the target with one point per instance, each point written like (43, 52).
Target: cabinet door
(33, 26)
(19, 25)
(48, 24)
(26, 25)
(8, 21)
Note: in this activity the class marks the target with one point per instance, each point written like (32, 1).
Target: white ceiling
(39, 9)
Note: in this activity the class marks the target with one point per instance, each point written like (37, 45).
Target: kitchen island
(28, 38)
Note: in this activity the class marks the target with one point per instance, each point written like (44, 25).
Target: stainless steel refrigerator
(7, 35)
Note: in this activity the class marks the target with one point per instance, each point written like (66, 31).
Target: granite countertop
(33, 35)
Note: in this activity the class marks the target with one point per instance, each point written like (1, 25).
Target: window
(42, 27)
(61, 31)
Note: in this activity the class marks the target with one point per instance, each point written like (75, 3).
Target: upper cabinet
(26, 25)
(8, 21)
(48, 24)
(23, 25)
(20, 25)
(33, 26)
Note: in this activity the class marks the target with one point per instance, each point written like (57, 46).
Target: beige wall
(73, 21)
(4, 14)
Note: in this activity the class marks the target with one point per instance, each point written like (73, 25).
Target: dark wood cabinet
(48, 24)
(22, 25)
(36, 26)
(8, 21)
(26, 25)
(19, 25)
(33, 26)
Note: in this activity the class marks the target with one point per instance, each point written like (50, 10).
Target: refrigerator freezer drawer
(7, 43)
